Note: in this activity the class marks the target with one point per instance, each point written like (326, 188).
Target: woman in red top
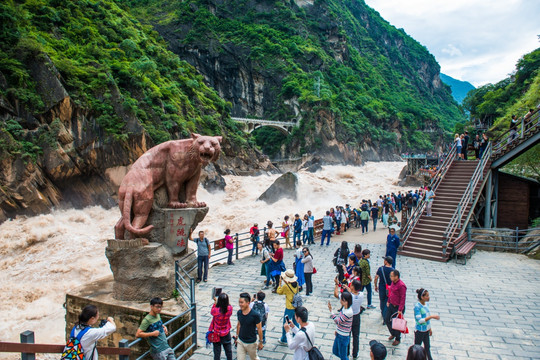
(276, 265)
(221, 312)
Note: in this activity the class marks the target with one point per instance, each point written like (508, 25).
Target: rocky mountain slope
(85, 89)
(87, 86)
(359, 87)
(459, 88)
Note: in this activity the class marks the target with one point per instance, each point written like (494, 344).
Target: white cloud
(474, 40)
(452, 50)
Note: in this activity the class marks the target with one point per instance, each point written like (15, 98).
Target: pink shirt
(228, 243)
(398, 290)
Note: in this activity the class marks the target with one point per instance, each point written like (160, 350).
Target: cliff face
(94, 93)
(288, 60)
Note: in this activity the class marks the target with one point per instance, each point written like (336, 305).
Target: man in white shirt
(311, 225)
(429, 201)
(297, 339)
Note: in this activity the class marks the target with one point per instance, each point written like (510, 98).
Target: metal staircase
(432, 237)
(457, 186)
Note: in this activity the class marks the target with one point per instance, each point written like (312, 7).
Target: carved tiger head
(205, 148)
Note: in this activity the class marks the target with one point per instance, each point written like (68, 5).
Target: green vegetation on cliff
(514, 95)
(336, 55)
(113, 67)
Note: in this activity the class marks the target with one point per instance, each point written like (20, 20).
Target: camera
(287, 320)
(102, 323)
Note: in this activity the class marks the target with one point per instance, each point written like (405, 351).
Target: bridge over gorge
(252, 124)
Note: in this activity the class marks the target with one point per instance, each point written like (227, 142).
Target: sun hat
(288, 276)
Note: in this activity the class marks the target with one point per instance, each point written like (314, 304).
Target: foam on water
(42, 257)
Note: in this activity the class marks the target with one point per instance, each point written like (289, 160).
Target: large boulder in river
(313, 165)
(283, 187)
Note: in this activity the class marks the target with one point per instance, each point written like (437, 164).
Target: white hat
(288, 276)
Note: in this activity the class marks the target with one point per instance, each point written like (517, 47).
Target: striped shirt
(343, 321)
(421, 312)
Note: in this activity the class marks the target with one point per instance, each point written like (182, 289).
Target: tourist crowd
(353, 284)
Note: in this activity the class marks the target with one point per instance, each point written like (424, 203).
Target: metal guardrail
(514, 240)
(523, 129)
(29, 349)
(435, 182)
(466, 199)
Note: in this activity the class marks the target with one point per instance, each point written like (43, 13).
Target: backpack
(73, 349)
(338, 260)
(297, 300)
(258, 306)
(313, 353)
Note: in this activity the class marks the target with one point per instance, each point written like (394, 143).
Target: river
(44, 256)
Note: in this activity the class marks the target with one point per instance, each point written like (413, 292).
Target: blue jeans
(290, 313)
(374, 224)
(255, 249)
(324, 234)
(341, 343)
(338, 226)
(364, 225)
(385, 219)
(383, 299)
(202, 264)
(268, 277)
(305, 237)
(311, 240)
(229, 258)
(296, 237)
(368, 289)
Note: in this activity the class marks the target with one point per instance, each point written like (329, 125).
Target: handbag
(212, 336)
(313, 353)
(314, 270)
(399, 323)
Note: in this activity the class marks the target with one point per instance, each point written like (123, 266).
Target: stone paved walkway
(489, 308)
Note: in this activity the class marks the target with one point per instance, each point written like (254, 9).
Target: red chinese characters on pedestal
(178, 230)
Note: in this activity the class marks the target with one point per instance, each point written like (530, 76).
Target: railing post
(522, 127)
(176, 279)
(193, 313)
(27, 337)
(469, 232)
(124, 343)
(236, 246)
(445, 243)
(459, 216)
(517, 239)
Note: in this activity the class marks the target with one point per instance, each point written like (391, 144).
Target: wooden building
(518, 201)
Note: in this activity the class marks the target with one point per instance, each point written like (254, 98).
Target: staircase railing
(466, 199)
(435, 182)
(523, 129)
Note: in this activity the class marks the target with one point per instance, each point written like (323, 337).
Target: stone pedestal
(141, 272)
(172, 226)
(127, 315)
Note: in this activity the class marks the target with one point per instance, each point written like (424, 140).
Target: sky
(479, 41)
